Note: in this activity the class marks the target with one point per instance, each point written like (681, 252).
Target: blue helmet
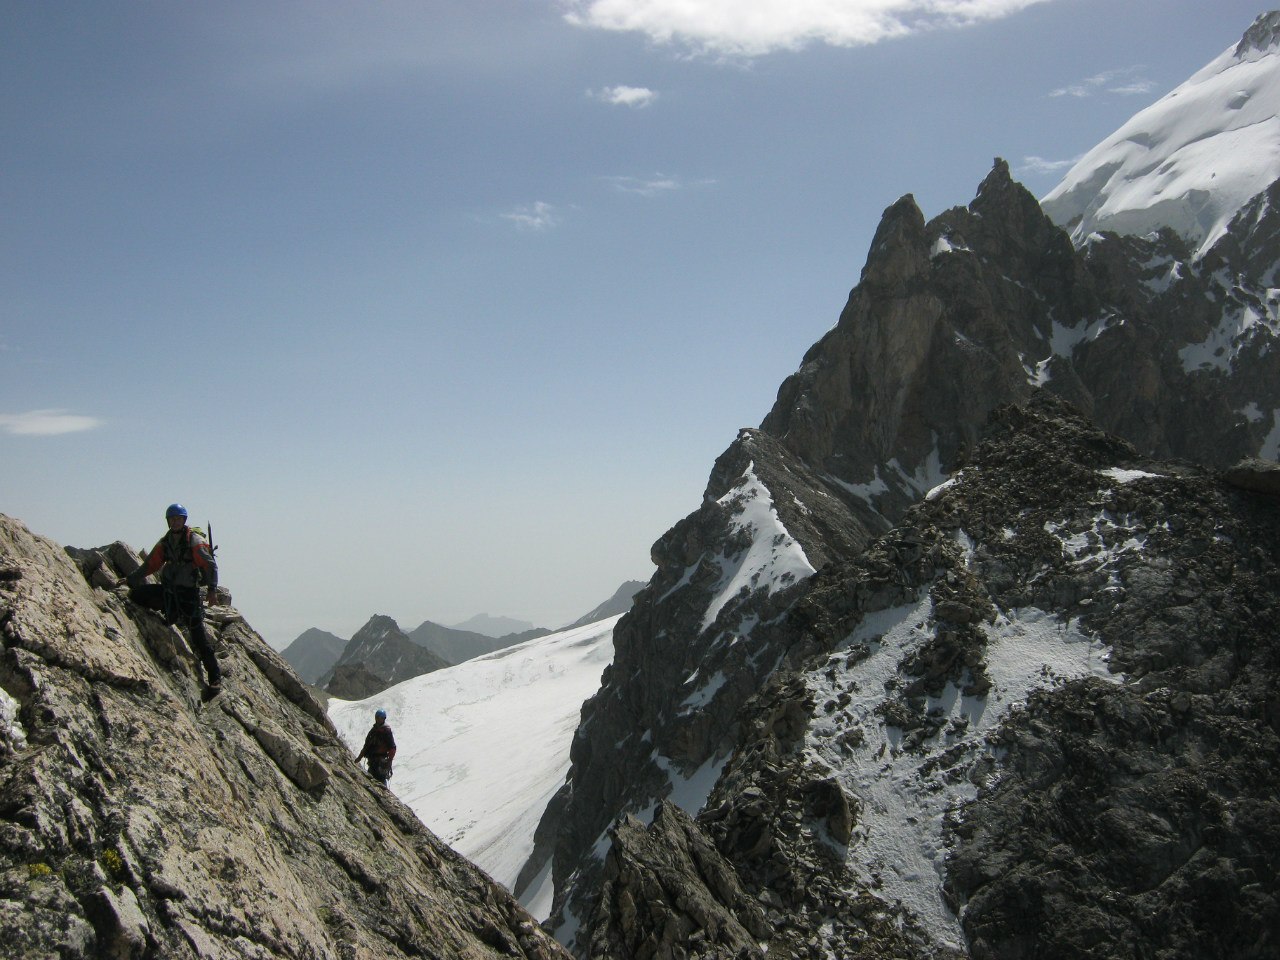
(380, 715)
(175, 510)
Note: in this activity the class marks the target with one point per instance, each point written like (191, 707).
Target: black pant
(181, 605)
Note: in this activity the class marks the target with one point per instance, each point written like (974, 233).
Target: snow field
(483, 746)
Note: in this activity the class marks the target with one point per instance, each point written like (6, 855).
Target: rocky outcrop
(697, 643)
(1260, 476)
(378, 656)
(354, 681)
(978, 306)
(618, 604)
(138, 821)
(668, 892)
(1037, 718)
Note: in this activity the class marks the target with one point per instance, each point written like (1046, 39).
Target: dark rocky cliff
(1038, 718)
(136, 821)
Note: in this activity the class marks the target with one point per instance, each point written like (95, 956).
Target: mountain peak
(1262, 36)
(999, 175)
(1192, 159)
(898, 249)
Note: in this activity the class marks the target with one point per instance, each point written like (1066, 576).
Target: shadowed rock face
(136, 820)
(379, 655)
(1057, 677)
(982, 306)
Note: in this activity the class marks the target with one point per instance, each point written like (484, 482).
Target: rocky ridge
(1036, 718)
(136, 821)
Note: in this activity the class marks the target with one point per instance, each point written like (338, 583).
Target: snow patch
(540, 893)
(690, 792)
(773, 560)
(943, 245)
(12, 733)
(703, 694)
(1240, 324)
(943, 487)
(1128, 476)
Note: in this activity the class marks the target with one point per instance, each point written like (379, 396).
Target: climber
(184, 561)
(379, 747)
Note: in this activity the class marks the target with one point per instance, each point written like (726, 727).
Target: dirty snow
(898, 846)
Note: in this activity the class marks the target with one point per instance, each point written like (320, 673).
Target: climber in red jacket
(185, 562)
(379, 747)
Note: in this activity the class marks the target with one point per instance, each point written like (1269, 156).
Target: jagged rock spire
(1262, 35)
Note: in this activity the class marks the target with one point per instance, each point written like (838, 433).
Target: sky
(442, 308)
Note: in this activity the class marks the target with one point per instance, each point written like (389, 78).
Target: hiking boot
(211, 691)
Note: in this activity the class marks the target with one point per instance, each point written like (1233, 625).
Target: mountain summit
(1191, 160)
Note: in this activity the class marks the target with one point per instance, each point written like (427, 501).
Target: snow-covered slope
(482, 746)
(1191, 160)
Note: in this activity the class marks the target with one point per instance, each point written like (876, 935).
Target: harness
(181, 601)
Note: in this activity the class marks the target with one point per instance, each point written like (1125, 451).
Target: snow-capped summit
(1191, 160)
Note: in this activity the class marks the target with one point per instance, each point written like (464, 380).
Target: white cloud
(1109, 81)
(1132, 89)
(537, 216)
(45, 423)
(626, 96)
(648, 188)
(737, 28)
(1040, 165)
(653, 186)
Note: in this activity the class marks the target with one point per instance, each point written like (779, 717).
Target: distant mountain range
(314, 653)
(381, 654)
(458, 646)
(493, 626)
(620, 602)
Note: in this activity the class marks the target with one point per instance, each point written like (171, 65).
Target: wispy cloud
(653, 186)
(1039, 165)
(625, 96)
(734, 28)
(1134, 89)
(1123, 82)
(536, 216)
(46, 423)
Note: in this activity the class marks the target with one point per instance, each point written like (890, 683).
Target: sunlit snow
(482, 746)
(774, 558)
(1190, 161)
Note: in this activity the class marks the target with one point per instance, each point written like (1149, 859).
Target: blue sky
(442, 308)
